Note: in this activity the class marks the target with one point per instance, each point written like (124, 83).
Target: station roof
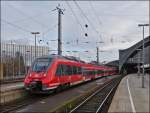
(126, 53)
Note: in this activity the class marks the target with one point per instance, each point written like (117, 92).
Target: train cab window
(41, 64)
(59, 70)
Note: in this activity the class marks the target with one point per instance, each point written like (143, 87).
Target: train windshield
(41, 64)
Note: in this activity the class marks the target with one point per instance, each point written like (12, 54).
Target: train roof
(84, 64)
(72, 58)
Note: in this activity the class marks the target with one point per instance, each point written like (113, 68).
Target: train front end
(37, 78)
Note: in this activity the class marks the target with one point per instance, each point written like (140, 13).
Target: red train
(53, 72)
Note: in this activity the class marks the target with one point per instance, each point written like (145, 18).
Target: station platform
(11, 86)
(130, 96)
(11, 91)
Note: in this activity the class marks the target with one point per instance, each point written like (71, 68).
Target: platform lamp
(143, 25)
(35, 34)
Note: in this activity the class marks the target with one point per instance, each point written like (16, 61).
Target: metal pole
(60, 12)
(7, 51)
(35, 33)
(139, 64)
(142, 25)
(97, 55)
(35, 45)
(13, 62)
(19, 61)
(143, 60)
(59, 33)
(138, 61)
(25, 60)
(31, 54)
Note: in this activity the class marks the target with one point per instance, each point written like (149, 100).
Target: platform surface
(11, 86)
(130, 96)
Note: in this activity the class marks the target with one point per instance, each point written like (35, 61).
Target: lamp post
(35, 33)
(143, 25)
(138, 73)
(26, 59)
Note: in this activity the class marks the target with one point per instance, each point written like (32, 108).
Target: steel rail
(106, 98)
(91, 96)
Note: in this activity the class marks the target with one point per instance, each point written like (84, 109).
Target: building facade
(16, 59)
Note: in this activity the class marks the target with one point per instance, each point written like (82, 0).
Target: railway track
(12, 107)
(99, 101)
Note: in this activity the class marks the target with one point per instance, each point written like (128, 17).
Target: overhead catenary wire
(95, 13)
(77, 21)
(84, 15)
(76, 18)
(16, 26)
(32, 18)
(45, 32)
(49, 29)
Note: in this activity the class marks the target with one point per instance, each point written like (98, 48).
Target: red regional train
(54, 72)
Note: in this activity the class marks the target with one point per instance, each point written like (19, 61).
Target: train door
(63, 78)
(74, 77)
(59, 74)
(79, 71)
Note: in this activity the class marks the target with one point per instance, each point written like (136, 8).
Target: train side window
(59, 70)
(96, 72)
(100, 71)
(93, 72)
(69, 70)
(87, 72)
(74, 70)
(84, 71)
(79, 70)
(64, 69)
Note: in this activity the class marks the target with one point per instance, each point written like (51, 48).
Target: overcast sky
(113, 22)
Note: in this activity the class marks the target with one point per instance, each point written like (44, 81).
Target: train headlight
(30, 75)
(44, 75)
